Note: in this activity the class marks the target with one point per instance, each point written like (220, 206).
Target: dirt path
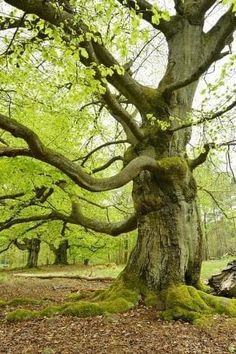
(136, 332)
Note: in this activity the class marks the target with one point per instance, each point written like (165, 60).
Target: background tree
(32, 246)
(82, 60)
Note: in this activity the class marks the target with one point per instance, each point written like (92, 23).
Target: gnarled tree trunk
(32, 246)
(169, 246)
(60, 252)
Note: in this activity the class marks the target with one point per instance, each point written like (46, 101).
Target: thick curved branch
(205, 5)
(217, 38)
(179, 7)
(113, 229)
(40, 152)
(46, 10)
(213, 43)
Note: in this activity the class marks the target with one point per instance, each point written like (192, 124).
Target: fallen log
(224, 283)
(52, 276)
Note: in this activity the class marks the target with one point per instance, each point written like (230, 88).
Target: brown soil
(135, 332)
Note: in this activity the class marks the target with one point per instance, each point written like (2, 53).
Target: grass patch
(20, 301)
(21, 315)
(213, 267)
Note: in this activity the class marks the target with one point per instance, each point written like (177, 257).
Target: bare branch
(15, 33)
(34, 227)
(206, 119)
(132, 130)
(85, 158)
(23, 220)
(107, 164)
(217, 38)
(216, 202)
(129, 125)
(7, 247)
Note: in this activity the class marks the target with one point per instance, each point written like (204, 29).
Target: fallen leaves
(138, 331)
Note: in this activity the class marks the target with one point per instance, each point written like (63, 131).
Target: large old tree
(156, 119)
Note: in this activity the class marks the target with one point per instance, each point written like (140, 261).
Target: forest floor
(138, 331)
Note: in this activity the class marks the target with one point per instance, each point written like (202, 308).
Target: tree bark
(33, 252)
(169, 248)
(61, 253)
(169, 245)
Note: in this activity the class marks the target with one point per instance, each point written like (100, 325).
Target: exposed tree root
(192, 305)
(178, 302)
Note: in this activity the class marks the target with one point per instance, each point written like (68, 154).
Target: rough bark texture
(169, 246)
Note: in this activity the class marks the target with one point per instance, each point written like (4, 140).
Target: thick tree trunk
(33, 252)
(61, 253)
(170, 241)
(169, 245)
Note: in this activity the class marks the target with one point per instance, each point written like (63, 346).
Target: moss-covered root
(192, 305)
(116, 299)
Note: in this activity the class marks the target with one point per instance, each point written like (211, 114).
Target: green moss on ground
(21, 315)
(118, 298)
(178, 302)
(20, 301)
